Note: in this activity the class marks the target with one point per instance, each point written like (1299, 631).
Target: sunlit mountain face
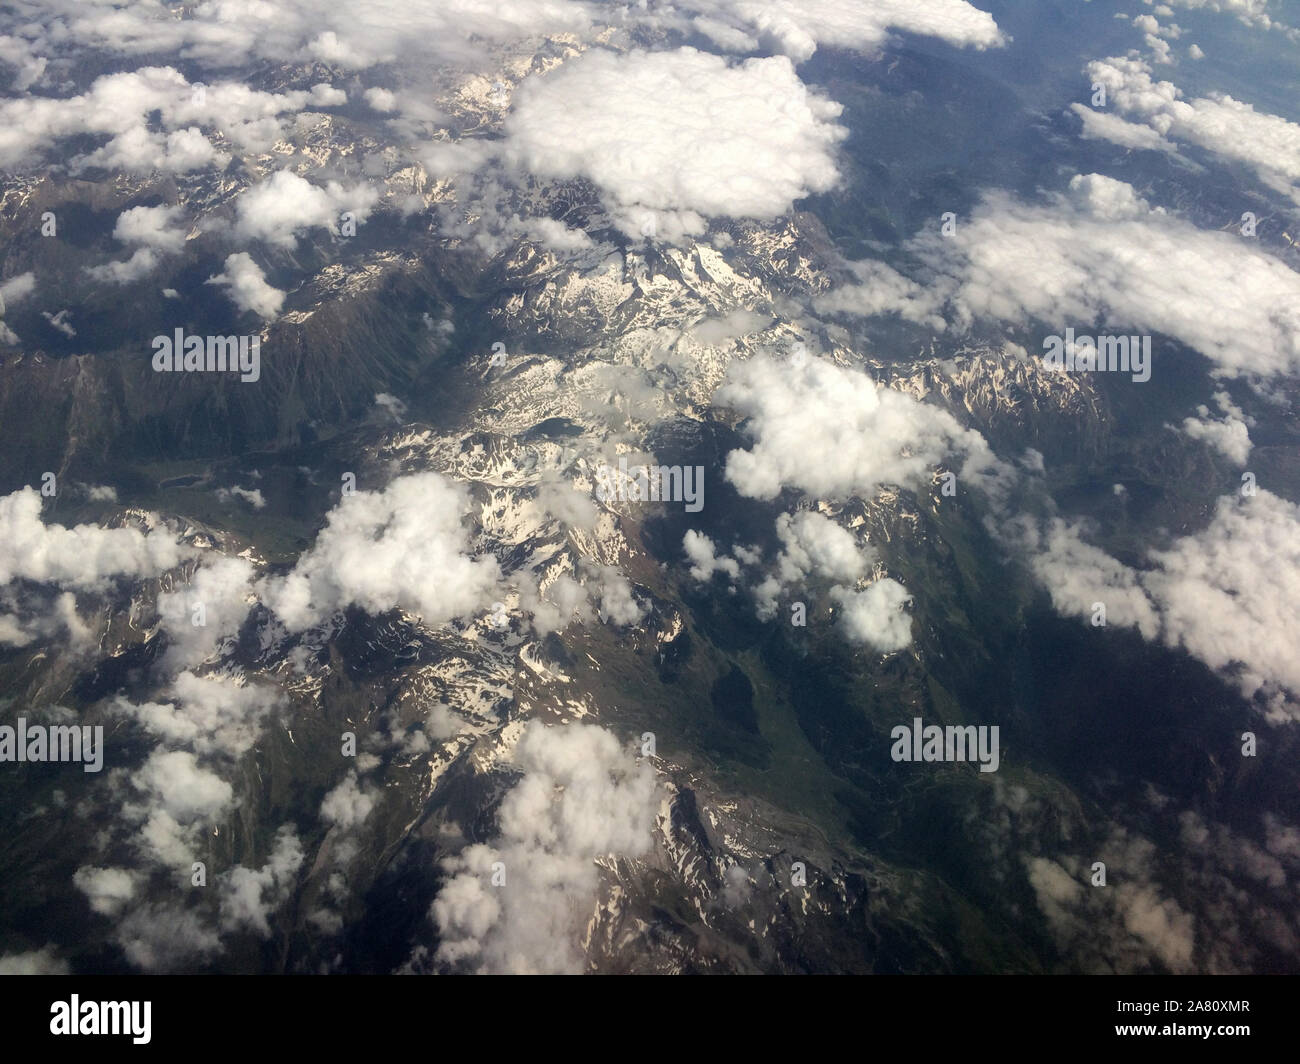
(559, 486)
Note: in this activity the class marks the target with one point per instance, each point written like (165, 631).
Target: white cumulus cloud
(248, 287)
(581, 796)
(679, 136)
(404, 546)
